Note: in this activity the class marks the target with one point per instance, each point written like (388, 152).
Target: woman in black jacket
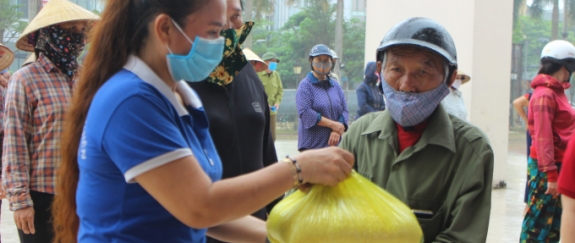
(236, 105)
(369, 97)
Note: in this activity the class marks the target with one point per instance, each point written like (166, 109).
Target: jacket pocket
(433, 224)
(431, 227)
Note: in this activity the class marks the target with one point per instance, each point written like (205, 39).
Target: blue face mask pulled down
(203, 58)
(273, 66)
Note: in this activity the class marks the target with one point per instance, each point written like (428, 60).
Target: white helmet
(560, 52)
(333, 54)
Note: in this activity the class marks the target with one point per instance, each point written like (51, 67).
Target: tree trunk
(2, 35)
(339, 39)
(555, 20)
(565, 18)
(248, 16)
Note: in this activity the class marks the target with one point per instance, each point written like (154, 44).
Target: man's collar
(439, 130)
(314, 80)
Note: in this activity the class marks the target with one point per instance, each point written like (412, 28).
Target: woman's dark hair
(122, 31)
(549, 67)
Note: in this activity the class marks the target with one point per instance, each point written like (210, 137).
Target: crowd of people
(173, 140)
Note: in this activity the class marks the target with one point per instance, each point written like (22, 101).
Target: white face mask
(456, 84)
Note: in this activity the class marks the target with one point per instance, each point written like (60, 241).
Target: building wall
(482, 32)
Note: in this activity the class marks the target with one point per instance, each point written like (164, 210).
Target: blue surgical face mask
(203, 58)
(273, 66)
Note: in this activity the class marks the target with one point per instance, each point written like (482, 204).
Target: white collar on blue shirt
(189, 96)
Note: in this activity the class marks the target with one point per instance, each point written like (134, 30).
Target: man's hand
(24, 219)
(3, 82)
(277, 106)
(338, 127)
(552, 189)
(2, 193)
(333, 138)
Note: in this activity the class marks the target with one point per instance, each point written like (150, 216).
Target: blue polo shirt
(135, 124)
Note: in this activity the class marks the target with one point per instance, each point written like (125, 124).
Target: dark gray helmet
(320, 49)
(424, 33)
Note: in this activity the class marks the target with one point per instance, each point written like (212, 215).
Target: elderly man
(437, 164)
(274, 88)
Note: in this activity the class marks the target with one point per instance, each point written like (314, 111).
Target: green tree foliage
(354, 49)
(10, 23)
(535, 34)
(315, 24)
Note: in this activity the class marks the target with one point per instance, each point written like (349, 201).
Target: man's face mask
(272, 66)
(409, 109)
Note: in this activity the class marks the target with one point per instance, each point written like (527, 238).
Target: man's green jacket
(448, 172)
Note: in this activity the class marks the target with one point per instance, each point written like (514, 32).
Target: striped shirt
(36, 100)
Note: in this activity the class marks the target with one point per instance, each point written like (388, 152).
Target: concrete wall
(482, 32)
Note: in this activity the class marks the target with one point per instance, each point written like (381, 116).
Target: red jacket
(550, 123)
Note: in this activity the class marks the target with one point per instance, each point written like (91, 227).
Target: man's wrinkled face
(234, 13)
(413, 69)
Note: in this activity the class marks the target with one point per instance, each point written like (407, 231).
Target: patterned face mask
(234, 59)
(62, 47)
(410, 109)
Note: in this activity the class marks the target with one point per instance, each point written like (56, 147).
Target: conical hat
(55, 12)
(466, 78)
(251, 56)
(6, 57)
(30, 59)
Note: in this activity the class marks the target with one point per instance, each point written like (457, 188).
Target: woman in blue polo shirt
(138, 163)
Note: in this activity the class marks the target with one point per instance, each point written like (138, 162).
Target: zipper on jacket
(330, 104)
(235, 129)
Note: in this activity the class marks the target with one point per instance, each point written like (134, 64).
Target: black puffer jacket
(239, 124)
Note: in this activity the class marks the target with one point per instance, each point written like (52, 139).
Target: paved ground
(507, 204)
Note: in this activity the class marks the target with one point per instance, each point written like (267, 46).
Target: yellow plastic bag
(354, 211)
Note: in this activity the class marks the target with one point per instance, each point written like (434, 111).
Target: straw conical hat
(30, 59)
(251, 56)
(55, 12)
(6, 57)
(466, 78)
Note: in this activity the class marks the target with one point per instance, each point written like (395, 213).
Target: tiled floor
(506, 213)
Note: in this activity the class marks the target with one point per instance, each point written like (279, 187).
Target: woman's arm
(247, 229)
(333, 125)
(543, 109)
(568, 220)
(206, 204)
(519, 105)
